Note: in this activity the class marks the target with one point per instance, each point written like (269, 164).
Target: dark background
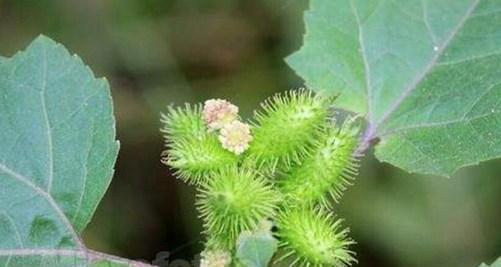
(160, 52)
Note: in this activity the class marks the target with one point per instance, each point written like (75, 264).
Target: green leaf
(106, 263)
(424, 73)
(57, 157)
(494, 264)
(256, 249)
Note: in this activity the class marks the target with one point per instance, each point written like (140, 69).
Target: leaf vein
(46, 120)
(16, 230)
(427, 22)
(366, 63)
(480, 97)
(477, 57)
(84, 185)
(440, 124)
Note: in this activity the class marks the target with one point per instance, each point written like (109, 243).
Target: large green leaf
(57, 154)
(425, 73)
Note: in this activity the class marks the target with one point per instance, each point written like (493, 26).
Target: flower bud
(217, 113)
(236, 137)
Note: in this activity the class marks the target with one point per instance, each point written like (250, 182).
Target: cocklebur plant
(286, 166)
(425, 78)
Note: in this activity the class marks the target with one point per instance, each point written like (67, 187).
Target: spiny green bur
(312, 237)
(235, 200)
(298, 161)
(324, 174)
(192, 151)
(286, 128)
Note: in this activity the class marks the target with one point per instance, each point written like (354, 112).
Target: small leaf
(256, 249)
(497, 263)
(425, 73)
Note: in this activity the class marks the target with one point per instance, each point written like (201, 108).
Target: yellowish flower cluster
(218, 112)
(234, 135)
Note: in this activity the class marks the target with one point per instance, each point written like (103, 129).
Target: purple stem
(369, 134)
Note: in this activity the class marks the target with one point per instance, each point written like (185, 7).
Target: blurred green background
(155, 53)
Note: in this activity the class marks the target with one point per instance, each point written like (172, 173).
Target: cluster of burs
(286, 168)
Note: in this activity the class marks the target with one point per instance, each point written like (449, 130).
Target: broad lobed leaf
(425, 73)
(57, 154)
